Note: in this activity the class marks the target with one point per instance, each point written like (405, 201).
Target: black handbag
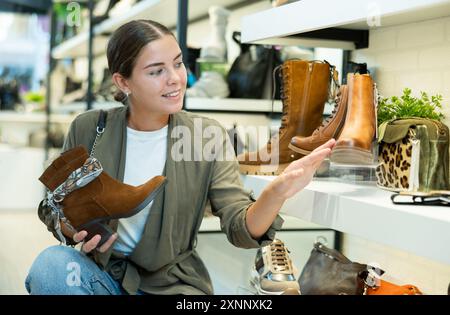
(249, 72)
(328, 272)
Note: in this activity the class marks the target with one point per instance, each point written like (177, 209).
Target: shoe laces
(279, 255)
(284, 94)
(336, 102)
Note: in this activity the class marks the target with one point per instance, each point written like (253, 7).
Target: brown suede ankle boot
(305, 86)
(354, 145)
(331, 128)
(85, 197)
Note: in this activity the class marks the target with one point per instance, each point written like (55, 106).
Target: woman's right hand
(93, 242)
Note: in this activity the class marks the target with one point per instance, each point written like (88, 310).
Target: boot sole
(298, 150)
(256, 170)
(351, 155)
(260, 291)
(99, 226)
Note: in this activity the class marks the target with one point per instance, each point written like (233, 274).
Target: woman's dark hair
(125, 45)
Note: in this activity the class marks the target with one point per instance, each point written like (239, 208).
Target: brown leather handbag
(328, 272)
(388, 288)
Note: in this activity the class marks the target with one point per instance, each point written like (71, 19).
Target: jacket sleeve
(230, 201)
(44, 211)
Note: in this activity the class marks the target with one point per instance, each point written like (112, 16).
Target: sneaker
(273, 272)
(210, 85)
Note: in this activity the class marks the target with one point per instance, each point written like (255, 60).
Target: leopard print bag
(397, 169)
(413, 155)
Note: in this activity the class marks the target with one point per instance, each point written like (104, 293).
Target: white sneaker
(273, 272)
(215, 48)
(210, 85)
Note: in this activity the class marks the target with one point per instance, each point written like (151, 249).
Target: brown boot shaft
(359, 128)
(304, 91)
(106, 198)
(63, 166)
(354, 145)
(331, 128)
(306, 85)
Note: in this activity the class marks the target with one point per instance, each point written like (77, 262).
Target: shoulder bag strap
(101, 125)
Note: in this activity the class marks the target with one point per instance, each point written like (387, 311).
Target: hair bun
(121, 97)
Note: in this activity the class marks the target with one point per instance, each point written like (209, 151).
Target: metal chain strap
(97, 136)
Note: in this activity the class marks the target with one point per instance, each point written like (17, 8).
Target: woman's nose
(174, 76)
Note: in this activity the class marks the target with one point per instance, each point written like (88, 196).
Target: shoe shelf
(160, 10)
(232, 105)
(32, 118)
(238, 105)
(79, 107)
(311, 17)
(367, 211)
(212, 224)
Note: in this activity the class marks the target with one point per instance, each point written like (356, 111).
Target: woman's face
(158, 79)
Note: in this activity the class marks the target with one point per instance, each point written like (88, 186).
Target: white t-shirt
(145, 158)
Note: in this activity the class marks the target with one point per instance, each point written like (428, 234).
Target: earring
(127, 93)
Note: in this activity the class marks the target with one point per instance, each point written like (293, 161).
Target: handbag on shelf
(413, 155)
(248, 75)
(328, 272)
(389, 288)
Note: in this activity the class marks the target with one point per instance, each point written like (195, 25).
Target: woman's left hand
(300, 172)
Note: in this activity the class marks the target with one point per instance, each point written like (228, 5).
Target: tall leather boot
(83, 196)
(354, 145)
(304, 91)
(331, 128)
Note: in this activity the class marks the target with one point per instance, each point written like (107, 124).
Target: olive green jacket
(165, 260)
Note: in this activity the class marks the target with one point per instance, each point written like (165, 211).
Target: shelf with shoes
(212, 224)
(14, 117)
(367, 211)
(335, 23)
(160, 10)
(232, 105)
(238, 105)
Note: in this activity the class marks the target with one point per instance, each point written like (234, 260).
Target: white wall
(417, 56)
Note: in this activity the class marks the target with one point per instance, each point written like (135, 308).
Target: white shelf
(232, 104)
(162, 11)
(79, 107)
(368, 212)
(310, 15)
(212, 224)
(236, 105)
(13, 117)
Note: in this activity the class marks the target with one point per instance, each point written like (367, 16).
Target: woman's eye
(179, 64)
(156, 72)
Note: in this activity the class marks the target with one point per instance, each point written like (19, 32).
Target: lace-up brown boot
(304, 91)
(331, 128)
(84, 197)
(354, 145)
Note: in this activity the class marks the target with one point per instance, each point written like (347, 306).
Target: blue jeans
(64, 270)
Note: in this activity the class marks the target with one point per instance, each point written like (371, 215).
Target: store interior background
(412, 55)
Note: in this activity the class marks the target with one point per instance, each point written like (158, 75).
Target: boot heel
(95, 228)
(351, 155)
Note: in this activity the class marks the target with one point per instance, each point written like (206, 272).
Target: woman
(154, 251)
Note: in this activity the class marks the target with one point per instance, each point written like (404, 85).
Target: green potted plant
(410, 106)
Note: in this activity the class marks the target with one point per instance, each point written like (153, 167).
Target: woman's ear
(121, 83)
